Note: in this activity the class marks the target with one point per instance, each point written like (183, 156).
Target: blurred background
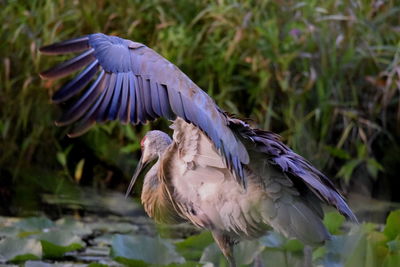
(325, 75)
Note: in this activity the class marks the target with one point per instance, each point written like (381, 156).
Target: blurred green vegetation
(323, 74)
(107, 240)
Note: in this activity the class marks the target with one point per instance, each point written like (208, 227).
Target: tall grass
(323, 74)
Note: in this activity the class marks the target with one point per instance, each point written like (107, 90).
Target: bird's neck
(155, 197)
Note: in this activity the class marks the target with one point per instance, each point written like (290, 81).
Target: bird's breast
(211, 198)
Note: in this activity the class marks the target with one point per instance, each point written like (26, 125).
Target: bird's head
(153, 145)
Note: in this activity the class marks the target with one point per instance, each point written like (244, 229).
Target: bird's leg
(307, 256)
(226, 245)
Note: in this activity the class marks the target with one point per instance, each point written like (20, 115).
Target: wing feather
(132, 99)
(70, 46)
(115, 103)
(155, 99)
(141, 112)
(123, 114)
(77, 84)
(84, 103)
(165, 106)
(105, 103)
(69, 66)
(147, 98)
(141, 86)
(272, 151)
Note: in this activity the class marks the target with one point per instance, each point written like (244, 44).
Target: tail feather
(297, 220)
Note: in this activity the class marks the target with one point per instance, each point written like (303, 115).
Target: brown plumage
(216, 172)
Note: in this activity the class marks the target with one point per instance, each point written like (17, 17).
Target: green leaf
(376, 248)
(394, 246)
(341, 249)
(245, 252)
(130, 148)
(73, 226)
(8, 231)
(95, 264)
(273, 240)
(274, 258)
(347, 170)
(186, 264)
(53, 251)
(56, 243)
(62, 158)
(362, 151)
(19, 249)
(374, 167)
(333, 221)
(131, 262)
(34, 223)
(24, 257)
(338, 152)
(293, 245)
(144, 248)
(27, 233)
(392, 228)
(319, 253)
(392, 260)
(212, 254)
(192, 247)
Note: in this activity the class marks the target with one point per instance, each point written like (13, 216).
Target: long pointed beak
(139, 168)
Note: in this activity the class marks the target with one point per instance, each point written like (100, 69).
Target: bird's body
(202, 190)
(216, 172)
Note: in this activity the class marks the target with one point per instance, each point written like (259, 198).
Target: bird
(216, 172)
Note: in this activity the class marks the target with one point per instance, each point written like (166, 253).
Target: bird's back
(206, 193)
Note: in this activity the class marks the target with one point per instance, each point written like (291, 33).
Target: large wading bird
(216, 172)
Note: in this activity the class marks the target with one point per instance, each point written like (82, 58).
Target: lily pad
(272, 258)
(19, 249)
(273, 240)
(56, 243)
(192, 247)
(333, 221)
(212, 254)
(117, 227)
(245, 253)
(58, 264)
(392, 228)
(141, 249)
(9, 231)
(73, 226)
(34, 224)
(293, 245)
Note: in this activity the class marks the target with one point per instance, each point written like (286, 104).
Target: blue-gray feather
(69, 46)
(152, 88)
(77, 84)
(115, 101)
(83, 103)
(69, 66)
(123, 111)
(132, 99)
(293, 165)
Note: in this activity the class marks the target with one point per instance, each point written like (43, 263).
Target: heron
(216, 171)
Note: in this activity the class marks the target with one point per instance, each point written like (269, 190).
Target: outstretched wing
(132, 83)
(268, 148)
